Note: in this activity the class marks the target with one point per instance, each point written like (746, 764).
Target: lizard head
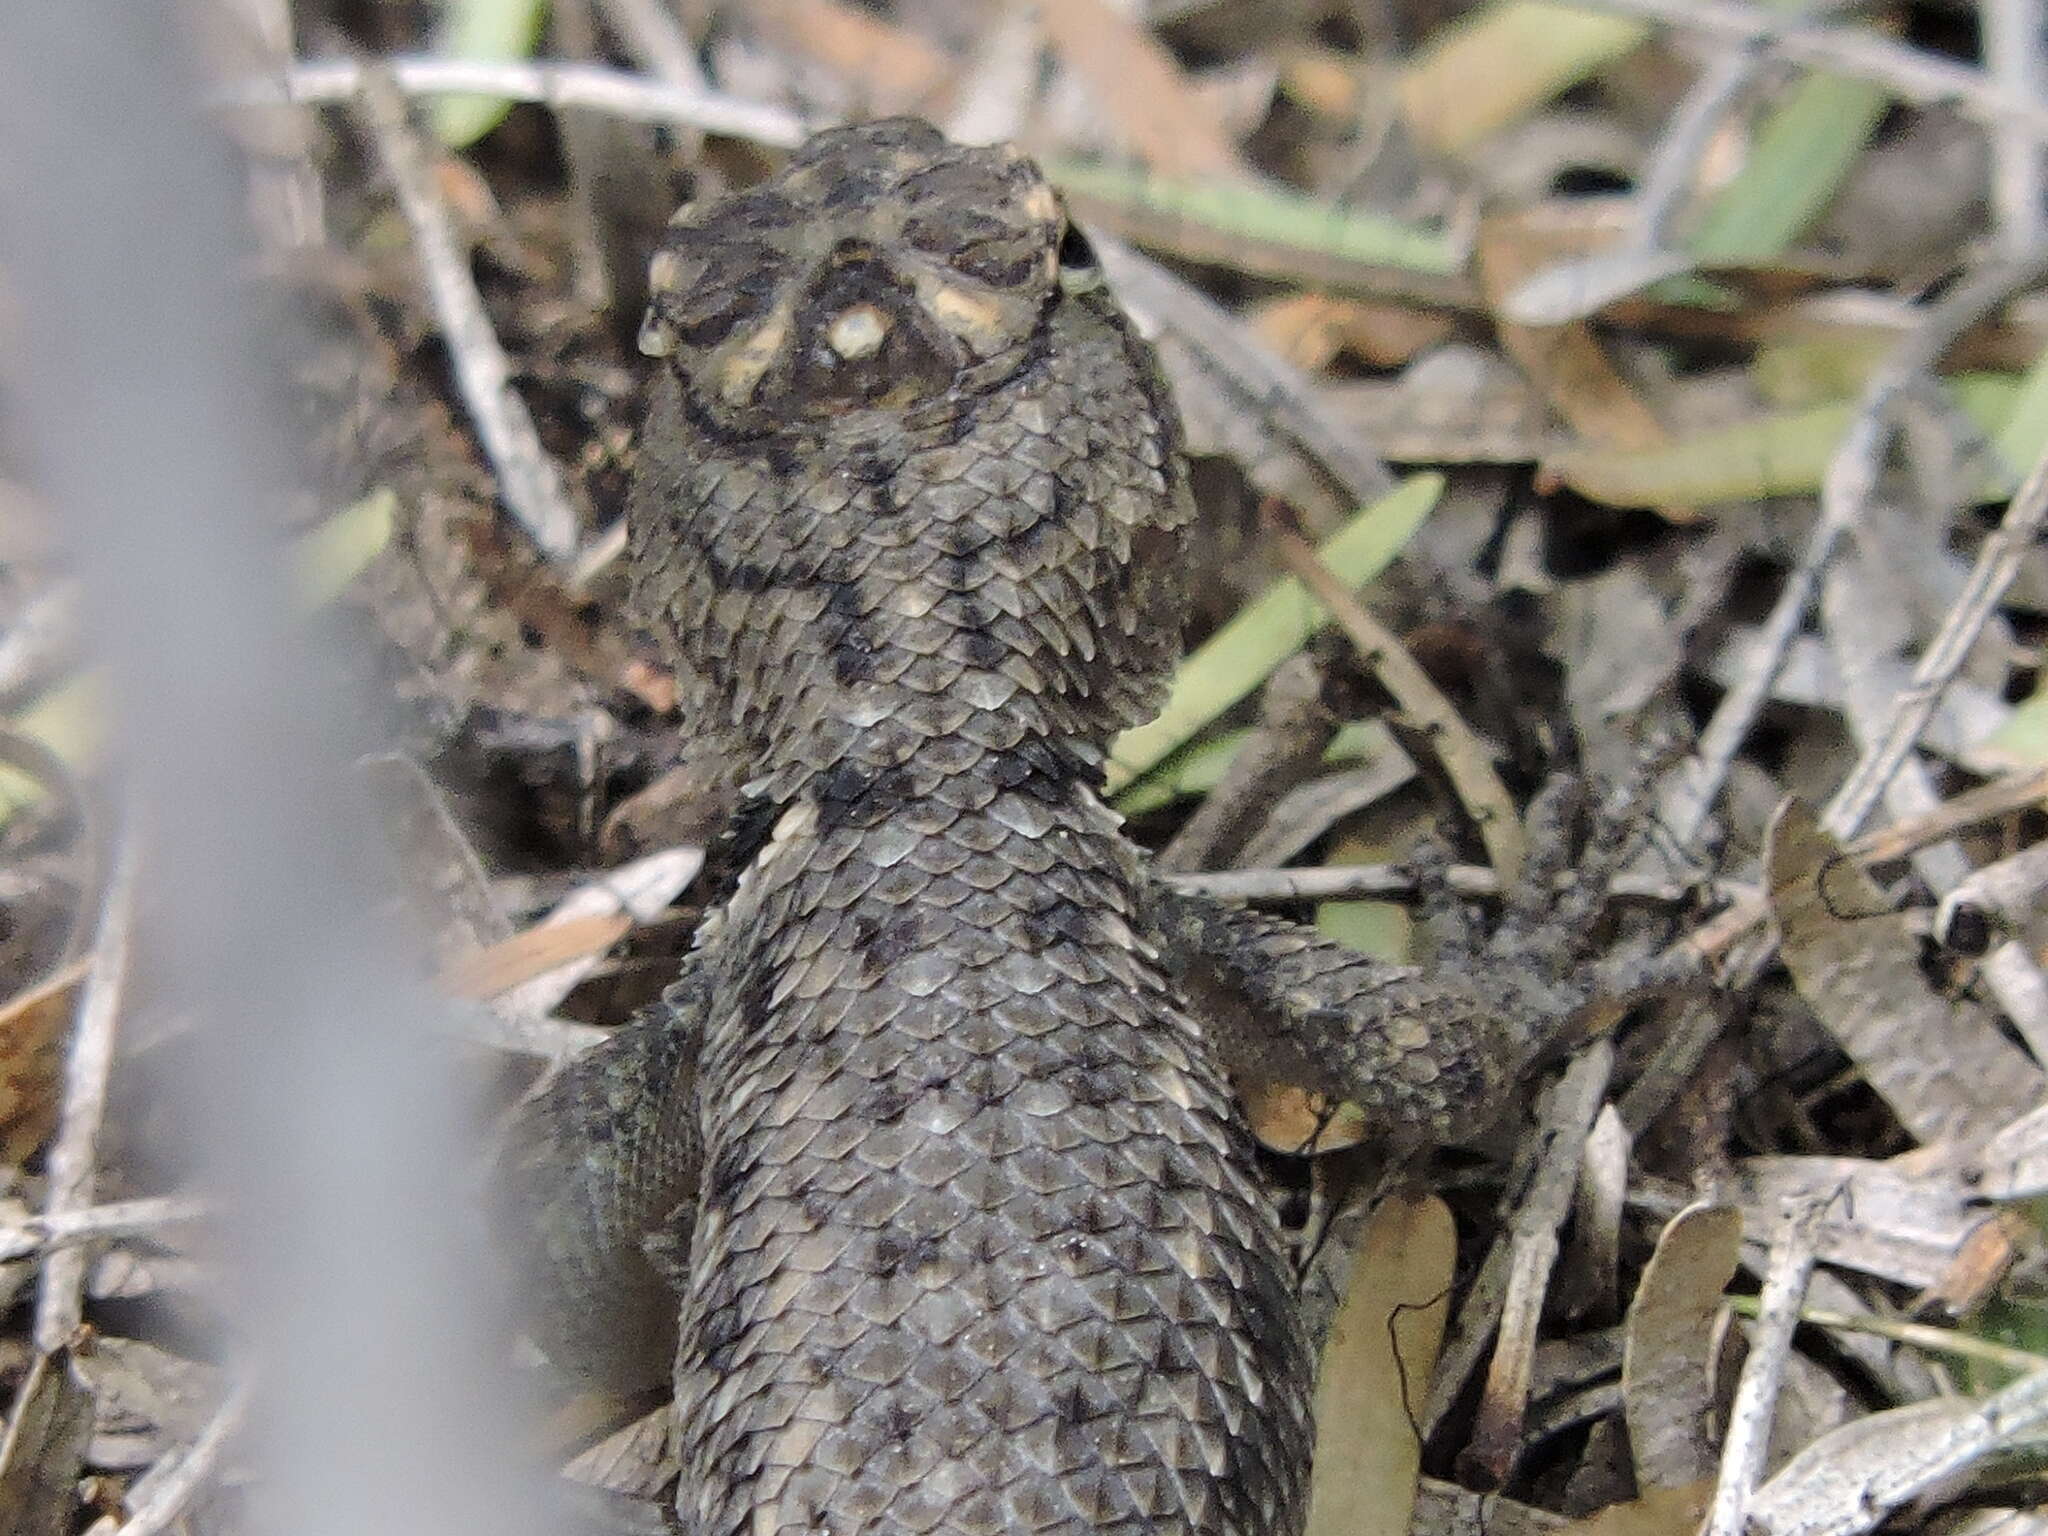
(882, 269)
(909, 487)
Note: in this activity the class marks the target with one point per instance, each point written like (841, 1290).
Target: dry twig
(74, 1155)
(1756, 1395)
(593, 86)
(1998, 562)
(1910, 73)
(526, 476)
(1852, 474)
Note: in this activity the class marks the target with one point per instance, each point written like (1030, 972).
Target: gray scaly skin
(934, 1136)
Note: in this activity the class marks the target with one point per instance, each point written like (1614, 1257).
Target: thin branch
(527, 478)
(121, 1218)
(1998, 563)
(1756, 1395)
(650, 30)
(555, 85)
(1674, 163)
(2000, 798)
(1952, 1341)
(1909, 73)
(2013, 52)
(1551, 1154)
(74, 1155)
(1466, 764)
(1352, 882)
(1575, 288)
(1816, 1503)
(1852, 474)
(1533, 1248)
(162, 1496)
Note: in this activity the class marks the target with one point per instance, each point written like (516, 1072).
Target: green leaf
(1195, 771)
(2020, 743)
(490, 31)
(1818, 370)
(1803, 150)
(1784, 453)
(1497, 65)
(1274, 215)
(1266, 631)
(330, 556)
(2025, 433)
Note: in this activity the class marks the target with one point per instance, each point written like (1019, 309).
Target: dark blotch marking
(716, 1339)
(983, 650)
(785, 458)
(887, 1256)
(853, 655)
(885, 1103)
(854, 795)
(881, 945)
(900, 1421)
(723, 1176)
(1045, 770)
(981, 1084)
(739, 844)
(852, 190)
(1072, 1406)
(1055, 920)
(853, 647)
(1097, 1089)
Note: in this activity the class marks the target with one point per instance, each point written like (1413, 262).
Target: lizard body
(934, 1136)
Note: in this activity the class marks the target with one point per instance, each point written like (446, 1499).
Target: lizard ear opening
(1079, 270)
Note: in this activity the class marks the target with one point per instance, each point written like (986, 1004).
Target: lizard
(924, 1184)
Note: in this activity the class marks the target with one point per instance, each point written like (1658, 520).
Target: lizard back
(976, 1248)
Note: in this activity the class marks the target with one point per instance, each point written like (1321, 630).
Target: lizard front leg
(595, 1192)
(1429, 1053)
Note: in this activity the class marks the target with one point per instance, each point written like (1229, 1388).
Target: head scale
(883, 267)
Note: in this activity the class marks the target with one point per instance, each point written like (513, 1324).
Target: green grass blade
(491, 31)
(1782, 453)
(1271, 215)
(1804, 149)
(1270, 628)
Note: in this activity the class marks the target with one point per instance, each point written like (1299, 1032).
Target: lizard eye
(1079, 270)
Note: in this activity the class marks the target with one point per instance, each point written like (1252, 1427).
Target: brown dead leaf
(1376, 1369)
(1311, 329)
(894, 69)
(1667, 1348)
(1501, 61)
(33, 1026)
(1135, 81)
(1986, 1256)
(1567, 363)
(497, 968)
(1941, 1063)
(1299, 1123)
(44, 1450)
(1659, 1512)
(635, 1460)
